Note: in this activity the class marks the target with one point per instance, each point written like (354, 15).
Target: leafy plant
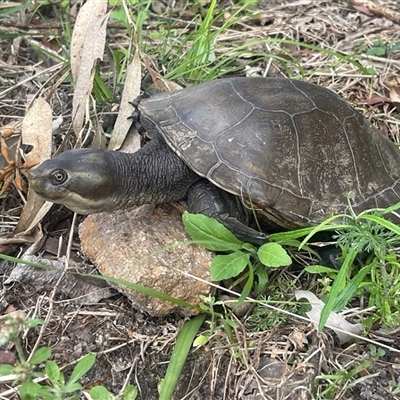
(377, 48)
(394, 387)
(209, 306)
(376, 353)
(214, 236)
(367, 235)
(26, 370)
(263, 318)
(373, 237)
(331, 386)
(101, 393)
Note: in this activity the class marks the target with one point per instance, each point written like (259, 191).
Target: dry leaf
(166, 85)
(363, 10)
(89, 13)
(125, 137)
(12, 144)
(394, 94)
(382, 10)
(130, 92)
(335, 321)
(92, 49)
(159, 81)
(24, 237)
(36, 132)
(34, 211)
(374, 99)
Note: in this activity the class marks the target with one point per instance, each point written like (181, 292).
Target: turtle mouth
(61, 195)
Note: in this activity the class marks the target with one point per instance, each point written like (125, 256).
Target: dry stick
(378, 9)
(54, 291)
(134, 365)
(32, 77)
(50, 311)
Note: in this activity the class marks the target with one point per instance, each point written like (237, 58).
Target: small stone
(139, 246)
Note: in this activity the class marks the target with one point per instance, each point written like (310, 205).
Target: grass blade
(179, 355)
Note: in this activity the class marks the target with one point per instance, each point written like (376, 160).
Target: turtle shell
(294, 151)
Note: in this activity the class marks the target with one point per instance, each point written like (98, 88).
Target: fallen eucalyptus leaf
(334, 321)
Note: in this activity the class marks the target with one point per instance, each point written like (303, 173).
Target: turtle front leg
(205, 198)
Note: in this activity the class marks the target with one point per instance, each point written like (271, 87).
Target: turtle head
(83, 180)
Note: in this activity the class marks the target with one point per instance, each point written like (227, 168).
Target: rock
(139, 246)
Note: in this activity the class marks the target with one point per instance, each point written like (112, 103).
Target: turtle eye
(59, 176)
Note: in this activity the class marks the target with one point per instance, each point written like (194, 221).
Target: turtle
(280, 151)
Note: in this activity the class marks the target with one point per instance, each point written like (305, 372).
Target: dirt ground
(283, 362)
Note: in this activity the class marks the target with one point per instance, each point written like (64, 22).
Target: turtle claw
(135, 116)
(227, 209)
(135, 102)
(243, 232)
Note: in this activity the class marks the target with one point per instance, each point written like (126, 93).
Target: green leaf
(262, 279)
(209, 233)
(32, 323)
(274, 255)
(382, 221)
(53, 371)
(249, 247)
(99, 393)
(377, 51)
(30, 390)
(83, 366)
(72, 387)
(320, 269)
(6, 369)
(348, 292)
(41, 355)
(201, 340)
(247, 288)
(130, 393)
(229, 325)
(337, 287)
(225, 266)
(180, 352)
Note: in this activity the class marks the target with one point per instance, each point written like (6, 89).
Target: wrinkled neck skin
(153, 175)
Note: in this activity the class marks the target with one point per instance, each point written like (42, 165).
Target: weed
(28, 372)
(368, 234)
(394, 387)
(378, 48)
(333, 386)
(214, 236)
(263, 318)
(376, 353)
